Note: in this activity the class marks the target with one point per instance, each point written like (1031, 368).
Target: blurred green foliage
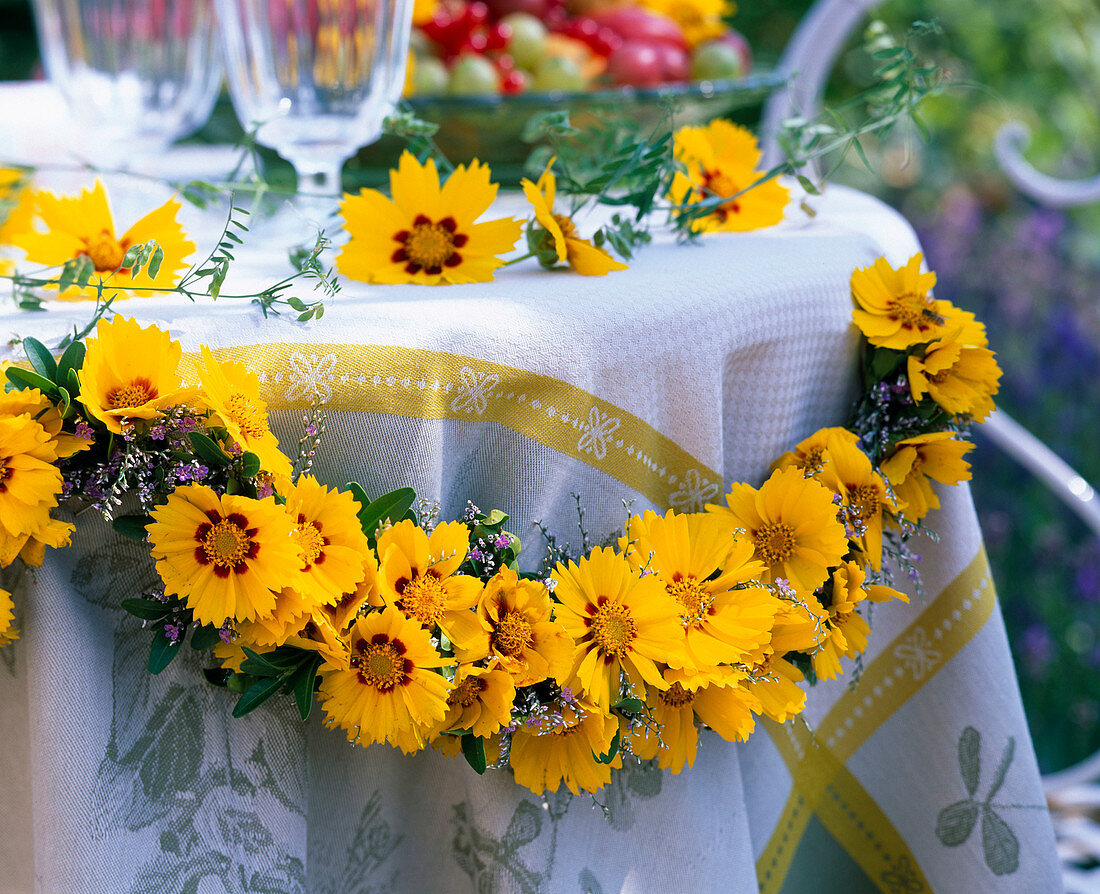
(1028, 272)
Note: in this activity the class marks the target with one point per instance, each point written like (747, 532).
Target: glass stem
(319, 178)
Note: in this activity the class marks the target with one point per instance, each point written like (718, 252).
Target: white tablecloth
(657, 386)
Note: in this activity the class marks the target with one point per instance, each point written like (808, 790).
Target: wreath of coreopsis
(421, 633)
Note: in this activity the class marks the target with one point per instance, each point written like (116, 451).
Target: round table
(653, 388)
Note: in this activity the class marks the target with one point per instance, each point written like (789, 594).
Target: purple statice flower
(172, 632)
(85, 431)
(227, 634)
(158, 432)
(188, 424)
(264, 490)
(311, 428)
(501, 541)
(479, 555)
(567, 694)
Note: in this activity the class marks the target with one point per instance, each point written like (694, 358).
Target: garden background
(1030, 273)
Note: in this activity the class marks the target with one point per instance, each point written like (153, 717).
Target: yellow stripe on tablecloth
(820, 782)
(438, 385)
(825, 788)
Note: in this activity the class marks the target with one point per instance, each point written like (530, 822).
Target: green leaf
(154, 262)
(808, 185)
(162, 651)
(217, 676)
(132, 526)
(956, 821)
(302, 683)
(71, 380)
(970, 759)
(250, 465)
(629, 706)
(999, 844)
(611, 752)
(23, 378)
(239, 683)
(258, 693)
(473, 749)
(884, 362)
(65, 402)
(205, 637)
(207, 449)
(496, 517)
(40, 357)
(393, 506)
(147, 609)
(130, 259)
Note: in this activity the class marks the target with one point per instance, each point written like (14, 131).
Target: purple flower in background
(1038, 647)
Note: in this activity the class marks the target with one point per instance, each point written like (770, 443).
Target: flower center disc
(4, 473)
(311, 541)
(105, 252)
(244, 413)
(692, 596)
(512, 634)
(429, 245)
(226, 544)
(422, 598)
(381, 664)
(775, 542)
(864, 500)
(913, 310)
(136, 394)
(613, 629)
(466, 693)
(568, 228)
(676, 696)
(720, 184)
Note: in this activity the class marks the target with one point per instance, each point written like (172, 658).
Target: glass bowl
(490, 128)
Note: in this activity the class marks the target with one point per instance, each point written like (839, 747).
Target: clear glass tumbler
(317, 76)
(136, 74)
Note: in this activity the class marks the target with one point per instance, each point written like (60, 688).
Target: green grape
(558, 73)
(473, 75)
(528, 41)
(714, 60)
(429, 77)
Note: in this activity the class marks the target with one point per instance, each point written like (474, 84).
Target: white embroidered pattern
(473, 393)
(311, 377)
(695, 493)
(597, 430)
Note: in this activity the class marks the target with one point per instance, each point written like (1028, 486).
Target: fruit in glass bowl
(482, 70)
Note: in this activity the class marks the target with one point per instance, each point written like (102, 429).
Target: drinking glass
(316, 76)
(136, 74)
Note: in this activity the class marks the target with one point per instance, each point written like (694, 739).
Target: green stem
(529, 254)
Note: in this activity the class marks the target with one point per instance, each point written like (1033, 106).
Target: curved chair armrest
(1009, 144)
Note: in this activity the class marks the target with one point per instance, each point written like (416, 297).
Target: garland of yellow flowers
(418, 633)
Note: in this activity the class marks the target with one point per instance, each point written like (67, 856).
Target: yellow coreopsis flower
(330, 535)
(226, 557)
(130, 373)
(8, 633)
(31, 547)
(426, 234)
(700, 564)
(775, 684)
(43, 411)
(417, 576)
(700, 19)
(715, 698)
(582, 256)
(862, 490)
(847, 631)
(620, 622)
(894, 307)
(721, 160)
(389, 690)
(811, 455)
(521, 637)
(959, 377)
(549, 752)
(16, 210)
(83, 225)
(481, 701)
(232, 392)
(792, 523)
(29, 480)
(937, 455)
